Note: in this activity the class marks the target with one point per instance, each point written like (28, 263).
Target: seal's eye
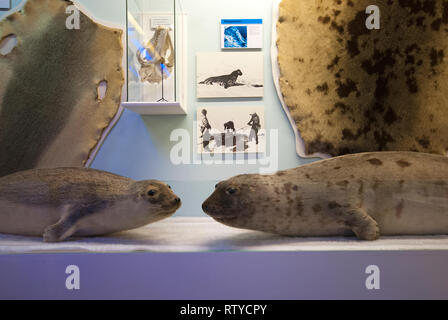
(231, 190)
(169, 186)
(152, 192)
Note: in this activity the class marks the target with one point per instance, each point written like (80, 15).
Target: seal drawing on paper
(226, 81)
(366, 194)
(64, 202)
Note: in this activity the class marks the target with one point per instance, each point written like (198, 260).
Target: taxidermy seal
(392, 193)
(64, 202)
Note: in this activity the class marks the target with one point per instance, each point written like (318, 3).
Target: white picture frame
(229, 75)
(231, 130)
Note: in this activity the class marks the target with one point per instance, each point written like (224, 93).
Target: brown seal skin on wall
(366, 194)
(51, 114)
(64, 202)
(350, 89)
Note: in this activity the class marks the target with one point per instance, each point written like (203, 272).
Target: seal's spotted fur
(350, 89)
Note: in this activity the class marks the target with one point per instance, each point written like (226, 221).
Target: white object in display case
(156, 46)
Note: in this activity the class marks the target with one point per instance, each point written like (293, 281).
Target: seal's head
(157, 197)
(237, 73)
(238, 202)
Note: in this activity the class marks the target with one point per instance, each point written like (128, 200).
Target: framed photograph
(5, 4)
(242, 33)
(229, 75)
(231, 130)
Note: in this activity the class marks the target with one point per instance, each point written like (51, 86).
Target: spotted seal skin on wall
(64, 202)
(366, 194)
(350, 89)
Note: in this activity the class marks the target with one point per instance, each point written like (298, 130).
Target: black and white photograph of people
(229, 74)
(231, 130)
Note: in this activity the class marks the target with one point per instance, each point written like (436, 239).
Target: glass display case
(156, 35)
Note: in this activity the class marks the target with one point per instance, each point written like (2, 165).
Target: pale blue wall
(139, 147)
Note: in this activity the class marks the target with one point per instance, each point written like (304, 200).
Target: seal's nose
(204, 207)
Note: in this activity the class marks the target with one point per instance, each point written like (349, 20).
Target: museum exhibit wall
(139, 147)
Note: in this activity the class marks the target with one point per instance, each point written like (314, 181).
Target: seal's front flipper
(363, 225)
(66, 226)
(59, 231)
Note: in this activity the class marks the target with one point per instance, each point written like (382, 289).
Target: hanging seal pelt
(64, 202)
(366, 194)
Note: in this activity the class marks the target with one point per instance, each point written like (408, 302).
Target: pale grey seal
(63, 202)
(395, 193)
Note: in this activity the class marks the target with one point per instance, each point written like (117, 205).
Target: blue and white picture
(241, 33)
(235, 37)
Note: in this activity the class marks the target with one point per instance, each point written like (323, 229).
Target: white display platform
(203, 234)
(198, 258)
(156, 108)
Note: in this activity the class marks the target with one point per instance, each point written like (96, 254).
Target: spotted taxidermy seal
(64, 202)
(392, 193)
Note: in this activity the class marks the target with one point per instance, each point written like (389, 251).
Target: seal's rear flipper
(363, 225)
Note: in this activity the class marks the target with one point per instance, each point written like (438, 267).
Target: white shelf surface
(198, 258)
(155, 108)
(203, 234)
